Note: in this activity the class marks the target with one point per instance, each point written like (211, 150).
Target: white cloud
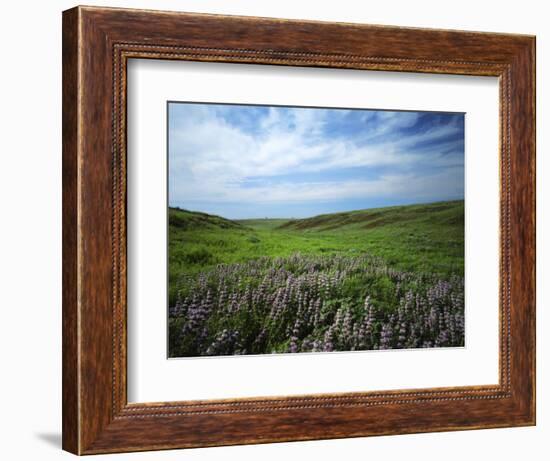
(210, 159)
(404, 185)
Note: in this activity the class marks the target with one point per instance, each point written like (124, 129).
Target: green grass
(417, 238)
(262, 224)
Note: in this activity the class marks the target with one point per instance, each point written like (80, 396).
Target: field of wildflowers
(313, 303)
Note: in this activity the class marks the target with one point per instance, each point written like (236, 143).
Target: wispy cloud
(256, 159)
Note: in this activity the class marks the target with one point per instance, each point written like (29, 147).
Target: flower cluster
(314, 304)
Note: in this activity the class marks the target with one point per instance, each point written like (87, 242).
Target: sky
(240, 161)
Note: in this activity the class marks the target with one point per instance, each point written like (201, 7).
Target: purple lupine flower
(265, 298)
(386, 336)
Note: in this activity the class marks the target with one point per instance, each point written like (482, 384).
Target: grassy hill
(263, 223)
(186, 220)
(419, 238)
(441, 214)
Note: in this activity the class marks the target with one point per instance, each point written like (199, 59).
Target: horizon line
(315, 215)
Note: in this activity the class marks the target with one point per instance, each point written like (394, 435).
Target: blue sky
(242, 161)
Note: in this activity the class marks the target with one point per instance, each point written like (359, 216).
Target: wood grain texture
(70, 384)
(97, 43)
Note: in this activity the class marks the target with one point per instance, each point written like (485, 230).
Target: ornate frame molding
(97, 43)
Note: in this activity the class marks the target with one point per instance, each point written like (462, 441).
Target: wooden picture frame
(97, 43)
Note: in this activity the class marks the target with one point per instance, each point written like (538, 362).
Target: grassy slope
(426, 238)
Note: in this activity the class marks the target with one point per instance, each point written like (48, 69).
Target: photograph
(307, 229)
(266, 230)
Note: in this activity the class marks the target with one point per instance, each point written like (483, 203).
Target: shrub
(198, 256)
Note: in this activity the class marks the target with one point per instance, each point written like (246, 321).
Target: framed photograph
(281, 230)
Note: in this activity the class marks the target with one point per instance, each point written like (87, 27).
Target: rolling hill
(437, 214)
(420, 238)
(186, 220)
